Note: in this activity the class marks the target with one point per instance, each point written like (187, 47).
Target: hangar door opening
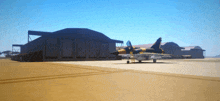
(51, 48)
(67, 48)
(80, 48)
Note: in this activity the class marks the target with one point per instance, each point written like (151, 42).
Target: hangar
(182, 52)
(178, 52)
(67, 44)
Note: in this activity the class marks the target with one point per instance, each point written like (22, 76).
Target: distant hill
(217, 56)
(208, 56)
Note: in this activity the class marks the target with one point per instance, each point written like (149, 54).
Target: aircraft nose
(115, 53)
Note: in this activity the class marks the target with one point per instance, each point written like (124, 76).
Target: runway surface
(50, 81)
(200, 67)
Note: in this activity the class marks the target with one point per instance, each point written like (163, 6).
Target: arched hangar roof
(197, 47)
(76, 33)
(193, 47)
(171, 44)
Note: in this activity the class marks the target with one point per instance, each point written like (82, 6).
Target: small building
(194, 51)
(68, 44)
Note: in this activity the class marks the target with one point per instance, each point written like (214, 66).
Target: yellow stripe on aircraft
(143, 49)
(121, 50)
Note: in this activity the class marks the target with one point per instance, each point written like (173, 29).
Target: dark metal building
(68, 44)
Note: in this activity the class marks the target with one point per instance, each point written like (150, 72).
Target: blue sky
(186, 22)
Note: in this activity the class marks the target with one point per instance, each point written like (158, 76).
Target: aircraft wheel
(154, 60)
(127, 62)
(139, 61)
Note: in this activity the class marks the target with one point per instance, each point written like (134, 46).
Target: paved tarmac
(49, 81)
(200, 67)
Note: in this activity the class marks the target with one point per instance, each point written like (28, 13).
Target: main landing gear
(154, 60)
(128, 62)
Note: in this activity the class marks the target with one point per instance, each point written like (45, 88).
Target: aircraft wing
(146, 54)
(154, 53)
(124, 55)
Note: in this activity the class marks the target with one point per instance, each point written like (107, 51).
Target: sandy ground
(49, 81)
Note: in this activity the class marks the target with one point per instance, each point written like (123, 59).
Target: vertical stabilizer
(129, 48)
(129, 45)
(156, 45)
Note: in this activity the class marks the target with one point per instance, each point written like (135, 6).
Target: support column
(44, 50)
(60, 48)
(87, 49)
(28, 38)
(75, 49)
(99, 49)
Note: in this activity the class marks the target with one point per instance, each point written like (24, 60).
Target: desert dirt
(49, 81)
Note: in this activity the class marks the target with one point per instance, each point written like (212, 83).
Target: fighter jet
(140, 54)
